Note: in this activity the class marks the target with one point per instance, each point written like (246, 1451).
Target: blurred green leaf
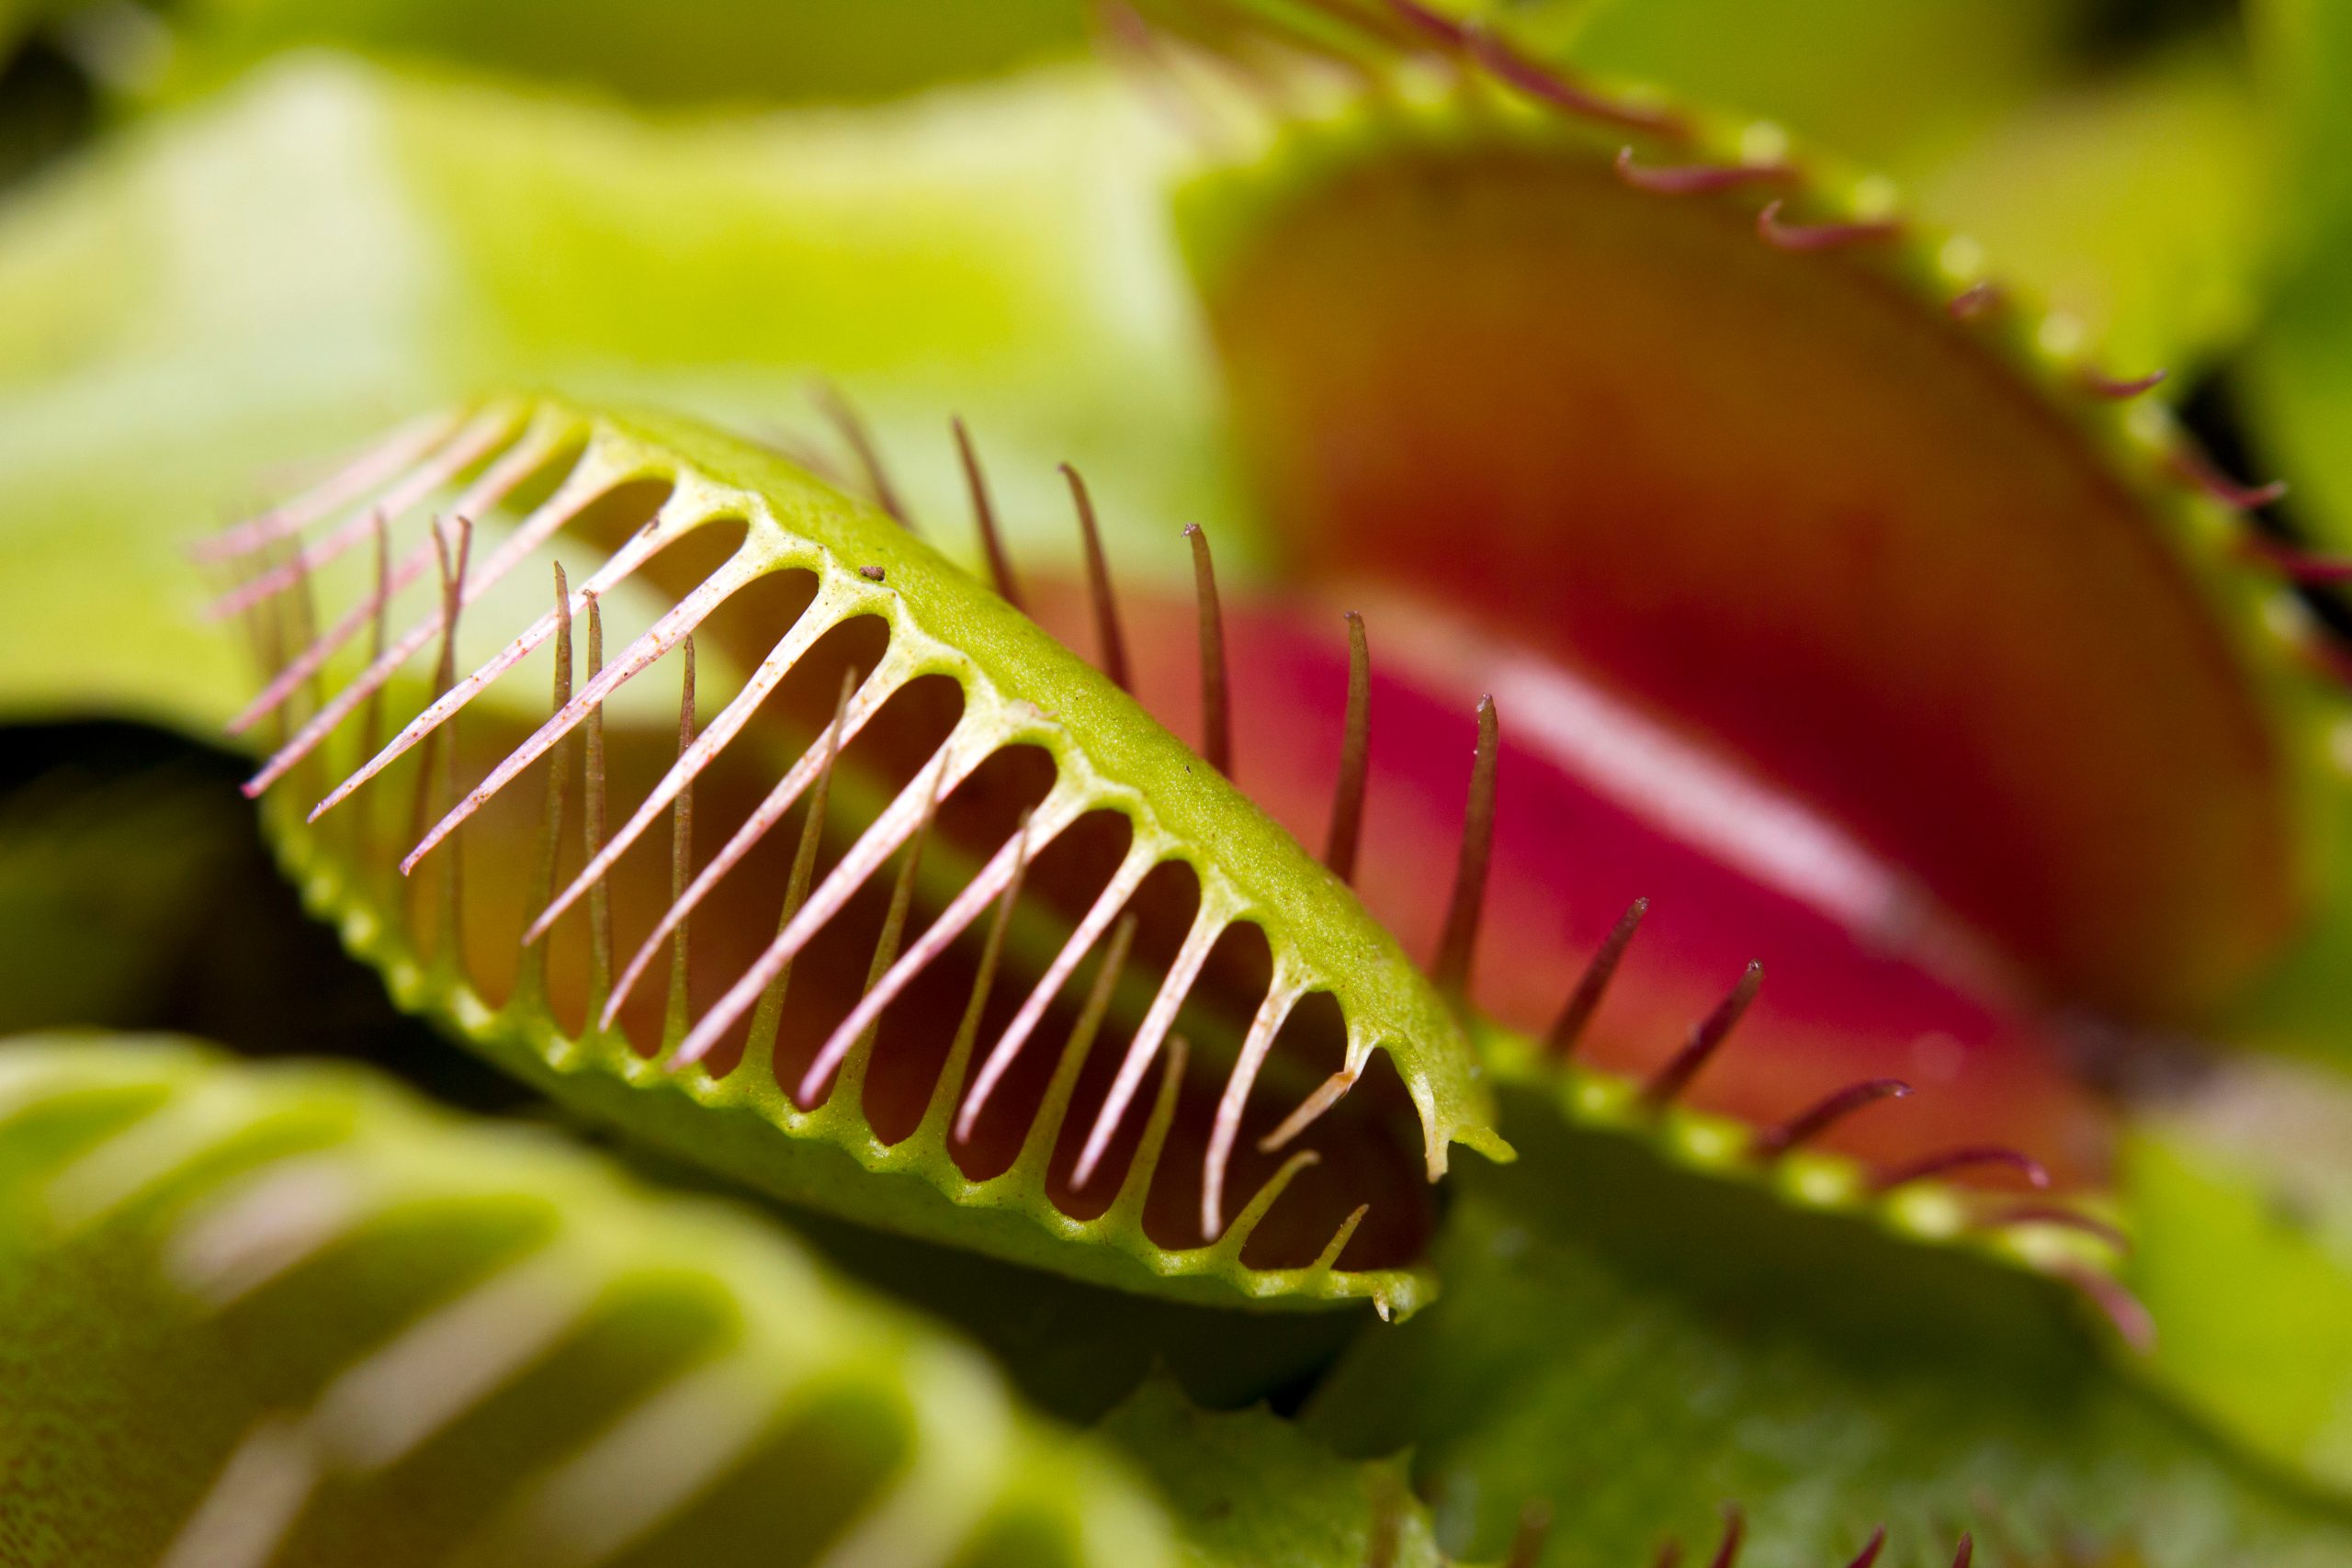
(740, 1404)
(2242, 1201)
(2294, 385)
(2299, 370)
(2131, 194)
(2139, 204)
(1639, 1347)
(259, 280)
(2302, 54)
(1887, 84)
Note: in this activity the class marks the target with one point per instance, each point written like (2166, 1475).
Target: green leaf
(1638, 1348)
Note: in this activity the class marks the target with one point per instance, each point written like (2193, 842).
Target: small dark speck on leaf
(871, 573)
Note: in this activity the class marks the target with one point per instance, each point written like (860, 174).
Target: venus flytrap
(814, 1086)
(1764, 512)
(1868, 426)
(301, 1317)
(2073, 1238)
(1717, 466)
(1738, 572)
(966, 749)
